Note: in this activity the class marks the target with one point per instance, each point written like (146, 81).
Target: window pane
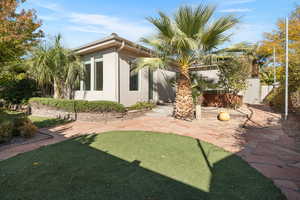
(134, 81)
(99, 76)
(87, 80)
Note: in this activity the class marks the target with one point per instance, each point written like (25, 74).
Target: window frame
(90, 74)
(136, 74)
(100, 60)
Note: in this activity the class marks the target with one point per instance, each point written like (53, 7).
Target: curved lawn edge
(159, 165)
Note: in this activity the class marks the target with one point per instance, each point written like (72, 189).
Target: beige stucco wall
(110, 77)
(128, 97)
(162, 88)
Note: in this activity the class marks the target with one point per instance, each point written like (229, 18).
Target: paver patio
(260, 141)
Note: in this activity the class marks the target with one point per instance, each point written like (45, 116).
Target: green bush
(141, 106)
(18, 126)
(6, 130)
(18, 89)
(276, 99)
(79, 105)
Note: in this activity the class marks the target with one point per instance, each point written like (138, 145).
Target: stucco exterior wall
(110, 77)
(128, 97)
(210, 75)
(162, 88)
(252, 94)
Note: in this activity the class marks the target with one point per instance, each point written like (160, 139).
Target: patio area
(258, 139)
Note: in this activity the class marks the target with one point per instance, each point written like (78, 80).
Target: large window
(133, 81)
(87, 78)
(99, 76)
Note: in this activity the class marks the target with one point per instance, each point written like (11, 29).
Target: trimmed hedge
(79, 105)
(141, 106)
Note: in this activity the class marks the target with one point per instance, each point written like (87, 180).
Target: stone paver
(259, 140)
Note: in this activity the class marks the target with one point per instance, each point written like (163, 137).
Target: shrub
(276, 99)
(18, 126)
(18, 89)
(79, 105)
(6, 130)
(141, 106)
(26, 128)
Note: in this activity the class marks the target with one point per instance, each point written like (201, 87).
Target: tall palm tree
(52, 64)
(182, 42)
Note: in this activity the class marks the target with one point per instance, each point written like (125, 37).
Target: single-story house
(108, 64)
(109, 74)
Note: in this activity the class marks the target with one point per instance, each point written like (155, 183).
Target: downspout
(119, 81)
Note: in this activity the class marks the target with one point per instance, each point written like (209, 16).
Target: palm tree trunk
(184, 105)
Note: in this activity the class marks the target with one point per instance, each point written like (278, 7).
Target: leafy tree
(267, 75)
(19, 31)
(276, 39)
(52, 64)
(233, 75)
(16, 87)
(182, 42)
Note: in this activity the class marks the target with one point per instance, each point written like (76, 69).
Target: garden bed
(93, 111)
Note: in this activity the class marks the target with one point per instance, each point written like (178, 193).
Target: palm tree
(52, 64)
(251, 52)
(182, 43)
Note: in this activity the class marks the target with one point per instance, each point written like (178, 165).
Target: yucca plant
(183, 42)
(55, 65)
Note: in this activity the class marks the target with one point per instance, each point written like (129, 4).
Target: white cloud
(239, 2)
(235, 10)
(87, 29)
(49, 17)
(50, 6)
(108, 24)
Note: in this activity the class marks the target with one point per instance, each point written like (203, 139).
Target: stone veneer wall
(45, 111)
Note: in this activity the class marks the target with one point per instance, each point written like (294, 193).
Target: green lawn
(40, 122)
(132, 165)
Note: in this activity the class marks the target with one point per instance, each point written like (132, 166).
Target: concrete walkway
(260, 141)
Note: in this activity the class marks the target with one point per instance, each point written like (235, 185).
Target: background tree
(277, 39)
(181, 43)
(19, 31)
(251, 52)
(52, 64)
(233, 73)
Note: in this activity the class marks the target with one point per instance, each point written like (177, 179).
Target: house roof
(112, 41)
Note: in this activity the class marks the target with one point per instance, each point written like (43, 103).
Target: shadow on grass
(75, 169)
(48, 123)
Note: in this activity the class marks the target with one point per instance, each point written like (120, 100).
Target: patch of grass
(43, 122)
(40, 122)
(133, 165)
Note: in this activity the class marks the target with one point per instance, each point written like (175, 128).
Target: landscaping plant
(182, 42)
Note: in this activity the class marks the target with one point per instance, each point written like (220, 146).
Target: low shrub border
(142, 106)
(93, 111)
(79, 105)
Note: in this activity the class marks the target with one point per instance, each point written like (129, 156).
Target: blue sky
(84, 21)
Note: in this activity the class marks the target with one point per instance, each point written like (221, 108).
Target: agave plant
(182, 42)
